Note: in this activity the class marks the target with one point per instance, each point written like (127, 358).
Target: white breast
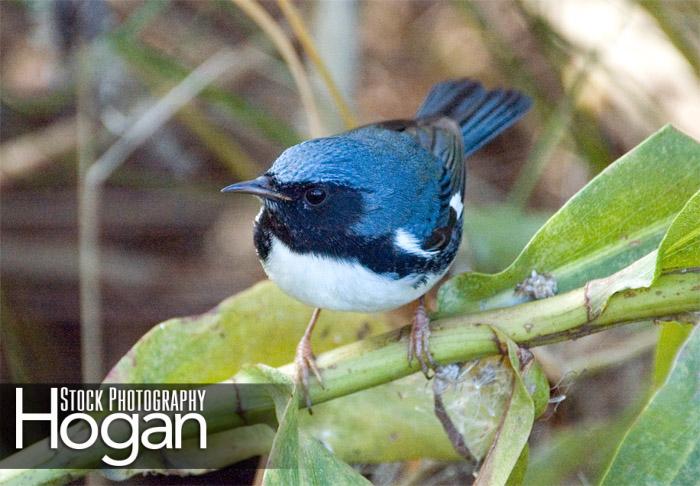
(329, 283)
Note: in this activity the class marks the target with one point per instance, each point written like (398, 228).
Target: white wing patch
(456, 204)
(410, 244)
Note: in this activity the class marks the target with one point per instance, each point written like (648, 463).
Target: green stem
(382, 358)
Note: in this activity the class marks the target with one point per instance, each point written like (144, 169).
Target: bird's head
(329, 188)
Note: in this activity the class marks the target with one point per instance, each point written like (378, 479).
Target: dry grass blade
(285, 48)
(302, 33)
(29, 153)
(166, 108)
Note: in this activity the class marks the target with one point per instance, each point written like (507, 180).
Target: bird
(370, 219)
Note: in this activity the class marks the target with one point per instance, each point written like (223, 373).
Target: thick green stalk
(383, 358)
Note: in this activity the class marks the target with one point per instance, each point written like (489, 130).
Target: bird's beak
(262, 186)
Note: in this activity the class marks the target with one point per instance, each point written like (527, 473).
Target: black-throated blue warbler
(370, 219)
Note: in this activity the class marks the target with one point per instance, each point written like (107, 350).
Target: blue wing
(480, 114)
(442, 138)
(457, 118)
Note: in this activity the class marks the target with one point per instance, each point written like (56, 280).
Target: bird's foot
(419, 340)
(305, 360)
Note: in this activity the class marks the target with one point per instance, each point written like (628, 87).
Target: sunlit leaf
(516, 424)
(620, 216)
(680, 249)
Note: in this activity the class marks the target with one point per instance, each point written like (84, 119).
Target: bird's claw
(419, 341)
(305, 361)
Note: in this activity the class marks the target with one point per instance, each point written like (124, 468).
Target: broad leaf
(517, 475)
(671, 337)
(620, 216)
(514, 430)
(259, 325)
(296, 458)
(663, 445)
(680, 247)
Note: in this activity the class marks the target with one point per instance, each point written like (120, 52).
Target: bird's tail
(481, 114)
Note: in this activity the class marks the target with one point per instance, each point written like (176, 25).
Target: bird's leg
(305, 360)
(419, 341)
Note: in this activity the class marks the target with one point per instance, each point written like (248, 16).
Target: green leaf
(515, 427)
(517, 475)
(680, 247)
(620, 216)
(537, 386)
(258, 325)
(296, 458)
(671, 337)
(663, 445)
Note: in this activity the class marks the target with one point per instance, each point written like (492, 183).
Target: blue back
(408, 170)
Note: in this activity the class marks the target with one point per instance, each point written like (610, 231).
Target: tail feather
(481, 114)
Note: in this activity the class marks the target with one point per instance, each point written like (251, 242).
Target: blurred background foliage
(75, 76)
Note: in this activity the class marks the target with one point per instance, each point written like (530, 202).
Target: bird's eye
(315, 196)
